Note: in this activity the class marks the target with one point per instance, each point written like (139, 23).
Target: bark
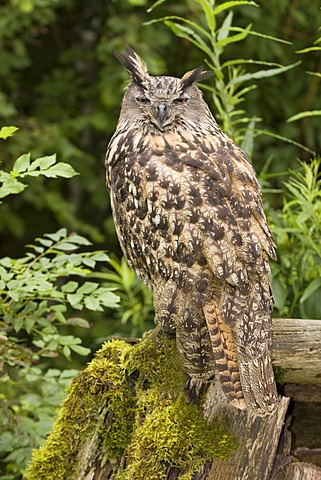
(258, 439)
(302, 471)
(128, 417)
(296, 350)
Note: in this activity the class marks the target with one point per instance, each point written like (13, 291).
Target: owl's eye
(181, 100)
(140, 99)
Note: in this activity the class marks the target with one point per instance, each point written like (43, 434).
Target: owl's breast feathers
(184, 200)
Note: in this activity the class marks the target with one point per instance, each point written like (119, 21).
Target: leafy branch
(35, 296)
(136, 301)
(296, 277)
(25, 167)
(231, 78)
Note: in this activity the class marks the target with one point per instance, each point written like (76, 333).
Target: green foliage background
(61, 85)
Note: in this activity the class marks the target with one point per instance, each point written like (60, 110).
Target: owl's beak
(161, 113)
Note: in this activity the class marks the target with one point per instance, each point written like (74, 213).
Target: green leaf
(315, 74)
(100, 257)
(66, 351)
(280, 292)
(68, 339)
(37, 249)
(262, 35)
(209, 14)
(309, 113)
(285, 139)
(89, 262)
(156, 4)
(10, 185)
(72, 258)
(78, 240)
(107, 298)
(241, 61)
(248, 140)
(22, 163)
(234, 38)
(93, 303)
(58, 307)
(224, 31)
(45, 242)
(69, 287)
(39, 343)
(7, 132)
(87, 288)
(60, 317)
(29, 323)
(189, 34)
(83, 351)
(310, 289)
(308, 50)
(46, 162)
(39, 164)
(194, 26)
(61, 233)
(311, 308)
(18, 323)
(65, 246)
(262, 74)
(227, 5)
(61, 169)
(68, 374)
(74, 299)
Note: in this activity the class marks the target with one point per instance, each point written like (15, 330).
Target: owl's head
(161, 103)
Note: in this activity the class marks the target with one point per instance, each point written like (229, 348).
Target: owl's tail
(246, 376)
(225, 355)
(258, 383)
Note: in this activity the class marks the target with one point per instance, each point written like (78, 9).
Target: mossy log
(130, 416)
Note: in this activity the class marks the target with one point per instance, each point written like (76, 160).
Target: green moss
(157, 360)
(99, 396)
(169, 430)
(173, 433)
(279, 374)
(130, 403)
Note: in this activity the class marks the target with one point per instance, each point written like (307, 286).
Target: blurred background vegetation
(61, 85)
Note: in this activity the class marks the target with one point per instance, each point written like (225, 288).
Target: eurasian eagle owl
(189, 217)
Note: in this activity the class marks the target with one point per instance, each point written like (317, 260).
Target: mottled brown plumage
(189, 217)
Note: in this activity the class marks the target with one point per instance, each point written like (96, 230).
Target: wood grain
(296, 349)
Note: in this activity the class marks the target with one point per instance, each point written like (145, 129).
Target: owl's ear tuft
(134, 65)
(194, 76)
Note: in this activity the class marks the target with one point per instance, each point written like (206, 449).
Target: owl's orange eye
(142, 99)
(181, 100)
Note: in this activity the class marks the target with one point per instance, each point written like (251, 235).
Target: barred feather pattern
(189, 217)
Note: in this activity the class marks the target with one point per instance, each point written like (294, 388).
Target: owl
(189, 217)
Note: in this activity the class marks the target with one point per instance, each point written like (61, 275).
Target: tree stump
(131, 414)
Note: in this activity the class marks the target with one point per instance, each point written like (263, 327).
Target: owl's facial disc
(162, 111)
(166, 113)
